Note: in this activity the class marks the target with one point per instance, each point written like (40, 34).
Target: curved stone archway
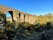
(9, 14)
(22, 17)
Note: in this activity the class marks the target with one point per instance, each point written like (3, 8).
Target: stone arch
(11, 14)
(19, 15)
(24, 17)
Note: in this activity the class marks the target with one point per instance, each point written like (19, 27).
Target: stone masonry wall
(19, 16)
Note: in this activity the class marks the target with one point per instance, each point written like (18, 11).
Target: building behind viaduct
(18, 16)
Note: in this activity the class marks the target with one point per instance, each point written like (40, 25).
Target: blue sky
(35, 7)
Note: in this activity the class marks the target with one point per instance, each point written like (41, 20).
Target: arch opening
(19, 15)
(9, 15)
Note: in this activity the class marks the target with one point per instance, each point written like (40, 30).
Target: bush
(26, 31)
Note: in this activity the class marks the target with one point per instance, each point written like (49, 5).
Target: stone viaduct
(18, 16)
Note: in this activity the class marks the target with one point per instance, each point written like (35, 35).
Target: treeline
(25, 31)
